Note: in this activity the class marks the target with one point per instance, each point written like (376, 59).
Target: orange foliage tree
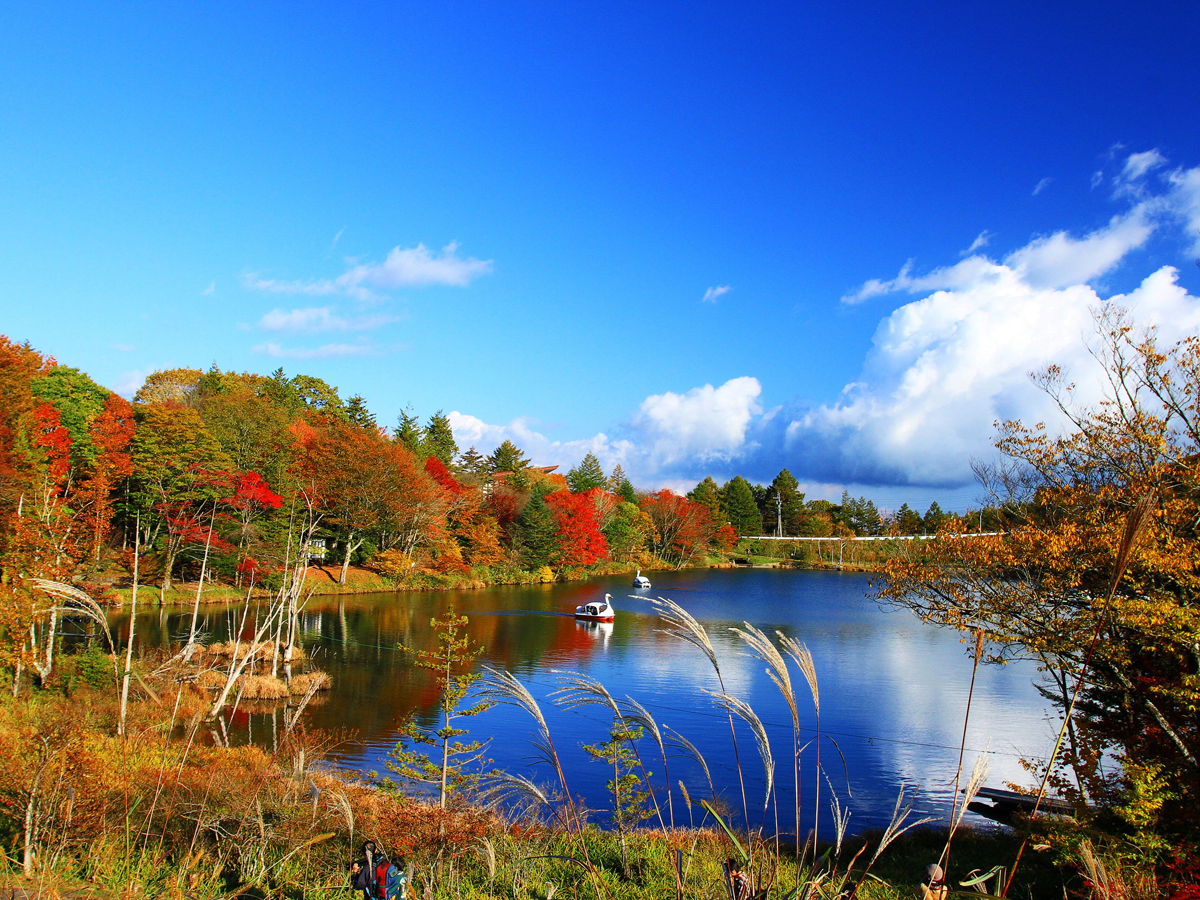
(1042, 590)
(681, 527)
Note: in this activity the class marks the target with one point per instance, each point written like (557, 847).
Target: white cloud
(945, 368)
(1138, 164)
(1055, 260)
(320, 318)
(409, 267)
(210, 290)
(1041, 185)
(543, 451)
(704, 424)
(711, 295)
(984, 238)
(326, 351)
(123, 348)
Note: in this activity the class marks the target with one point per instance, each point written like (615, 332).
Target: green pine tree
(438, 439)
(507, 458)
(537, 533)
(627, 492)
(934, 517)
(587, 475)
(450, 769)
(472, 462)
(737, 499)
(409, 431)
(908, 521)
(708, 495)
(358, 414)
(785, 502)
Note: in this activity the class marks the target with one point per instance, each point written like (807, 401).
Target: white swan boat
(596, 611)
(640, 581)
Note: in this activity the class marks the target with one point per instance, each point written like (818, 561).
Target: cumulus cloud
(318, 319)
(704, 424)
(711, 295)
(663, 441)
(326, 351)
(942, 368)
(408, 267)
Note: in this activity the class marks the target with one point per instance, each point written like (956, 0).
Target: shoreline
(368, 581)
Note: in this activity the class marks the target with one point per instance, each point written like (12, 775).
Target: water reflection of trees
(358, 641)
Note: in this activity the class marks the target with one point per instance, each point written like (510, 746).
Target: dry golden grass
(211, 680)
(262, 687)
(261, 650)
(301, 684)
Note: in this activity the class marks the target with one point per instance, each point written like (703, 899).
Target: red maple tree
(579, 539)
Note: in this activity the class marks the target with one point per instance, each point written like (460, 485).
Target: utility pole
(779, 513)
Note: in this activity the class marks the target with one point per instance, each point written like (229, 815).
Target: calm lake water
(893, 689)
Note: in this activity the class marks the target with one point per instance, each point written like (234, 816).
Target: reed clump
(313, 680)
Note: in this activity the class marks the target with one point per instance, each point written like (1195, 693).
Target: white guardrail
(879, 537)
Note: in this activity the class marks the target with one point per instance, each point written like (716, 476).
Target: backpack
(397, 880)
(381, 876)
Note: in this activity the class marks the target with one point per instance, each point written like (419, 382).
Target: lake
(893, 689)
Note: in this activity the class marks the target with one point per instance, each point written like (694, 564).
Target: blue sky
(260, 185)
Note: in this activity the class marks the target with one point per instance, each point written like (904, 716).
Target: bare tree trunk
(132, 625)
(350, 548)
(191, 644)
(31, 823)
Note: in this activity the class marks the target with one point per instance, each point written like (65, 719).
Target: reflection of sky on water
(893, 690)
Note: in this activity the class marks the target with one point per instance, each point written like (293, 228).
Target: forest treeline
(238, 473)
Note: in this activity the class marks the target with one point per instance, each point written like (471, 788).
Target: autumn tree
(578, 538)
(19, 366)
(177, 386)
(681, 528)
(110, 435)
(179, 474)
(1055, 588)
(79, 400)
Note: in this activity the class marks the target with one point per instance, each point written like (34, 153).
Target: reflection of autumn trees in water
(358, 640)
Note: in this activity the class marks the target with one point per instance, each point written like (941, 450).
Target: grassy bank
(166, 808)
